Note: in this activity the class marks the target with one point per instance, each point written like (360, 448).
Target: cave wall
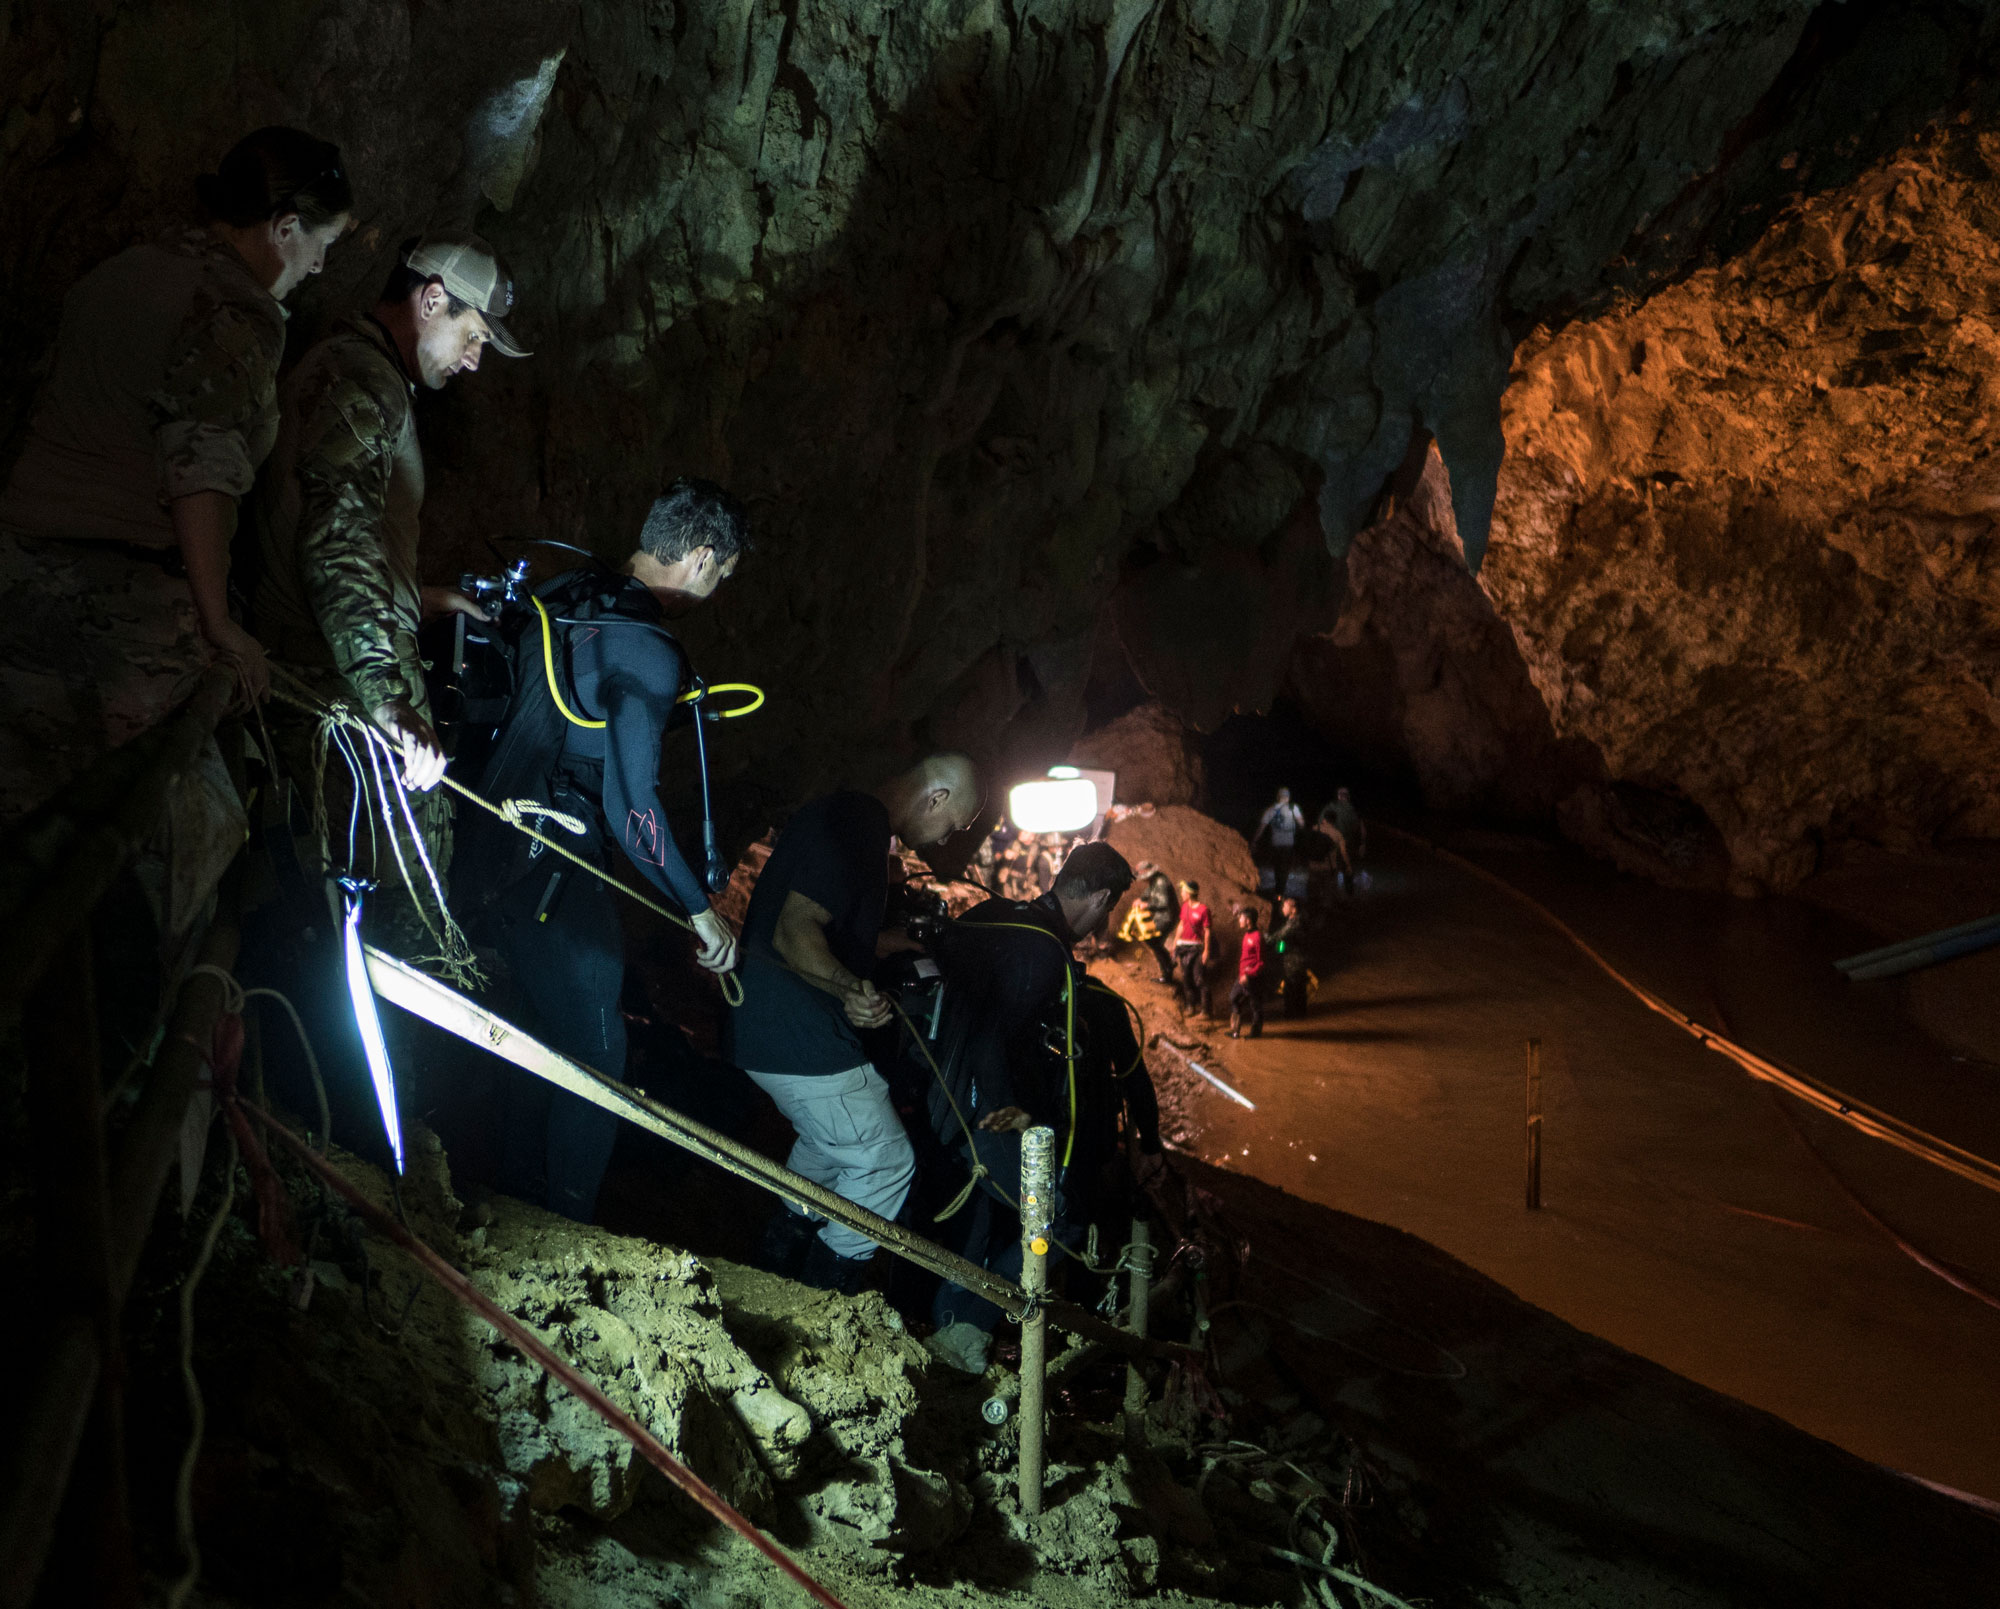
(1745, 535)
(1420, 680)
(990, 311)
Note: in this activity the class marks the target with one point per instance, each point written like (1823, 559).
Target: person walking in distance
(1279, 828)
(1340, 814)
(1338, 857)
(1245, 1007)
(1288, 941)
(1163, 906)
(1194, 944)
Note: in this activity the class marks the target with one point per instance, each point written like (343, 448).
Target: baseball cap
(472, 271)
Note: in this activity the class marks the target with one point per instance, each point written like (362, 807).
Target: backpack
(514, 694)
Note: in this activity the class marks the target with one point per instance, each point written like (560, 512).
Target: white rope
(512, 810)
(197, 1409)
(453, 950)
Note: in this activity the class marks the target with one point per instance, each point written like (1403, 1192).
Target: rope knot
(512, 811)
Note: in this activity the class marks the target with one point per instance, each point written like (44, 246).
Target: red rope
(535, 1347)
(223, 1056)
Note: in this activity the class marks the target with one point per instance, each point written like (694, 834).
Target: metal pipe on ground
(1534, 1125)
(1037, 1200)
(444, 1007)
(1139, 1315)
(1983, 924)
(1926, 950)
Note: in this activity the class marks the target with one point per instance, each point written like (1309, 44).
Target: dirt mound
(1186, 845)
(1153, 753)
(381, 1445)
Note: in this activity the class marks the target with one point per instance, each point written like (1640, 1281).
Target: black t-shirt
(834, 851)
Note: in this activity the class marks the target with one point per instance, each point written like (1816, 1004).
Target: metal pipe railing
(444, 1007)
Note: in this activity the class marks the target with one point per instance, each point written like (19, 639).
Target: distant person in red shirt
(1245, 1004)
(1194, 943)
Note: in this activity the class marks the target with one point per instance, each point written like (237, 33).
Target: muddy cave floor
(1692, 1378)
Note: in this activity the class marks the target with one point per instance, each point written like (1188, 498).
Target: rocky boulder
(1155, 756)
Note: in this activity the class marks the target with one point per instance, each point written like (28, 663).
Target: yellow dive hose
(689, 697)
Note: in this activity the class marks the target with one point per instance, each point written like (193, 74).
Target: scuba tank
(512, 696)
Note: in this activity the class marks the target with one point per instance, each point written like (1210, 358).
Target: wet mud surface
(1685, 1217)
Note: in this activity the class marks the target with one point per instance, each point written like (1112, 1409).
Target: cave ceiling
(1030, 332)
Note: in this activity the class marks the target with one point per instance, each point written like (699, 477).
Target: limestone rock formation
(991, 312)
(1745, 532)
(1420, 675)
(1152, 752)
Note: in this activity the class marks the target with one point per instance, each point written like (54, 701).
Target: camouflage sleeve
(214, 413)
(347, 449)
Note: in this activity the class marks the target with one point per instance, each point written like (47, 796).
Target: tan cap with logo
(472, 271)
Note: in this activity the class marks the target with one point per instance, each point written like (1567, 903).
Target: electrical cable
(197, 1408)
(1929, 1264)
(1844, 1108)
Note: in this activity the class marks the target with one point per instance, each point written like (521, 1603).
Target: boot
(964, 1347)
(788, 1237)
(825, 1270)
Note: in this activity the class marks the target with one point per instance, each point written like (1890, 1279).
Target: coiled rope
(336, 717)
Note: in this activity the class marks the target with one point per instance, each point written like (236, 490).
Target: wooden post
(1037, 1200)
(1142, 1297)
(1534, 1124)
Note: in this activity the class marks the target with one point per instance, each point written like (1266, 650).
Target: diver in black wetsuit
(586, 741)
(1007, 1038)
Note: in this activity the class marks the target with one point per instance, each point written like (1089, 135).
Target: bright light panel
(1059, 804)
(362, 995)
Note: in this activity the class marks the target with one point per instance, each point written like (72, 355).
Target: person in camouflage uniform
(160, 404)
(338, 599)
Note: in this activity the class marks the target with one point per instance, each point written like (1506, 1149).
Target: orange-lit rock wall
(1744, 535)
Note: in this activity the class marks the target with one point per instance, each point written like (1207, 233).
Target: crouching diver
(597, 677)
(1028, 1037)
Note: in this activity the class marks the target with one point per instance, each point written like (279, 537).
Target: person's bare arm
(204, 523)
(800, 940)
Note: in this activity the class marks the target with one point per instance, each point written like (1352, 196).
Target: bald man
(808, 949)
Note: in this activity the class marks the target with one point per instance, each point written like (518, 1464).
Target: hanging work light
(1068, 801)
(1054, 804)
(362, 994)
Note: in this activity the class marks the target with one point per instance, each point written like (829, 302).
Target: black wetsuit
(558, 926)
(1003, 1012)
